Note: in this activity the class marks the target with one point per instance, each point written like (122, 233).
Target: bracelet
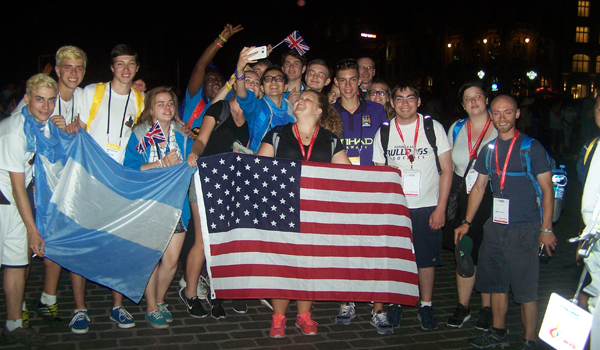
(467, 222)
(228, 86)
(546, 230)
(218, 43)
(222, 38)
(241, 77)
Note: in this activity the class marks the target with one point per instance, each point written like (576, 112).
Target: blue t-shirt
(523, 208)
(360, 128)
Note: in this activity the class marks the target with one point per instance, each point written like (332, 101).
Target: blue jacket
(134, 159)
(262, 115)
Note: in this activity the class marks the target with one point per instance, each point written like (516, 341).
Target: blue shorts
(427, 242)
(508, 258)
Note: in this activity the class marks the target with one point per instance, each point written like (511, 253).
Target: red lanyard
(473, 149)
(411, 157)
(503, 176)
(312, 141)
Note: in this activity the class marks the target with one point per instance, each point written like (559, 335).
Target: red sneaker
(277, 326)
(307, 325)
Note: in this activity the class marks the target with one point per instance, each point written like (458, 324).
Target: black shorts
(427, 242)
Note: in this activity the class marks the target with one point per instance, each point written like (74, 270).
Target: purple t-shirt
(360, 128)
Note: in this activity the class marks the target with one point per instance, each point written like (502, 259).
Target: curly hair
(329, 119)
(146, 116)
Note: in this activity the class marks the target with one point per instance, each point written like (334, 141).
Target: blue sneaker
(346, 314)
(380, 321)
(156, 319)
(426, 318)
(79, 322)
(122, 317)
(162, 307)
(394, 315)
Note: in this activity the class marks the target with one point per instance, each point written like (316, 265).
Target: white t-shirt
(122, 117)
(13, 157)
(460, 149)
(424, 158)
(69, 110)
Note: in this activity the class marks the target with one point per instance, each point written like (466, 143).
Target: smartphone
(260, 52)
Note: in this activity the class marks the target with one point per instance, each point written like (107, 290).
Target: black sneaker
(394, 314)
(485, 319)
(527, 344)
(48, 312)
(426, 318)
(193, 305)
(216, 307)
(239, 306)
(489, 339)
(461, 315)
(25, 336)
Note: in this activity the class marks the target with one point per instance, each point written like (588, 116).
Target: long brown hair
(146, 116)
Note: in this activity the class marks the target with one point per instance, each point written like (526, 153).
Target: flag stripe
(352, 208)
(362, 231)
(264, 293)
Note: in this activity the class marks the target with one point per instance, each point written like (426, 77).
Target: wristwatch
(467, 222)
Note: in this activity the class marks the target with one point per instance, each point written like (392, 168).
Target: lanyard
(503, 176)
(411, 157)
(473, 149)
(124, 115)
(312, 141)
(72, 110)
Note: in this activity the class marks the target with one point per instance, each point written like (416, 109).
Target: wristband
(222, 38)
(218, 43)
(242, 77)
(546, 230)
(467, 222)
(228, 86)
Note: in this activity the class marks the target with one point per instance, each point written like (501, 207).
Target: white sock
(14, 324)
(48, 299)
(425, 303)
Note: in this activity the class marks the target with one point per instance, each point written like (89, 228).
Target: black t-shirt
(290, 149)
(523, 208)
(220, 140)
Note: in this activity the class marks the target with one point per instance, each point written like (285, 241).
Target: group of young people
(365, 121)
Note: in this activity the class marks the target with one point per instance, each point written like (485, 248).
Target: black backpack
(384, 133)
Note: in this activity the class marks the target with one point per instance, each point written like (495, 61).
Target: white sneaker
(202, 288)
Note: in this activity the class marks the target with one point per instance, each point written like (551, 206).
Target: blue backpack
(559, 175)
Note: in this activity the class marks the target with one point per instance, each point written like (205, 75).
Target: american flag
(277, 228)
(294, 41)
(153, 136)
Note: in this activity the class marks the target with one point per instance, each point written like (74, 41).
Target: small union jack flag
(294, 41)
(153, 136)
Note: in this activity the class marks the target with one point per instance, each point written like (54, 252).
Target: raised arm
(242, 62)
(197, 77)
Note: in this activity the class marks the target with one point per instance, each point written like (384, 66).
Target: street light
(531, 75)
(449, 45)
(527, 40)
(485, 41)
(481, 74)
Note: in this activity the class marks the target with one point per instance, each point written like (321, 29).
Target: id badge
(500, 213)
(412, 182)
(113, 150)
(471, 179)
(354, 160)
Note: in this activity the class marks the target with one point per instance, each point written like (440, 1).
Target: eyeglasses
(377, 92)
(270, 78)
(409, 99)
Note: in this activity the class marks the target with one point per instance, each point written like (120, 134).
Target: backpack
(459, 124)
(384, 133)
(276, 137)
(586, 154)
(225, 112)
(559, 175)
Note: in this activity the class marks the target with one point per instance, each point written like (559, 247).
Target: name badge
(471, 179)
(500, 213)
(354, 160)
(412, 182)
(113, 150)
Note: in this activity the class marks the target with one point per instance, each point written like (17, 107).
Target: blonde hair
(38, 81)
(71, 53)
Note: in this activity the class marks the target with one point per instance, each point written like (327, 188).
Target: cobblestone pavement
(250, 331)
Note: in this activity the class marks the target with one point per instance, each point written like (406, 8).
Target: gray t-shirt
(523, 208)
(460, 149)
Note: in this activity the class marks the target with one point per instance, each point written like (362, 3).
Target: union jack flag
(295, 42)
(153, 136)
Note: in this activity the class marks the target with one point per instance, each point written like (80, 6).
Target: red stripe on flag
(306, 295)
(350, 229)
(354, 208)
(350, 185)
(310, 250)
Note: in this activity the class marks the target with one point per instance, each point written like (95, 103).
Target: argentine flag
(102, 220)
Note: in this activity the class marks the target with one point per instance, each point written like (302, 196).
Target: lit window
(583, 8)
(579, 91)
(429, 81)
(581, 34)
(580, 63)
